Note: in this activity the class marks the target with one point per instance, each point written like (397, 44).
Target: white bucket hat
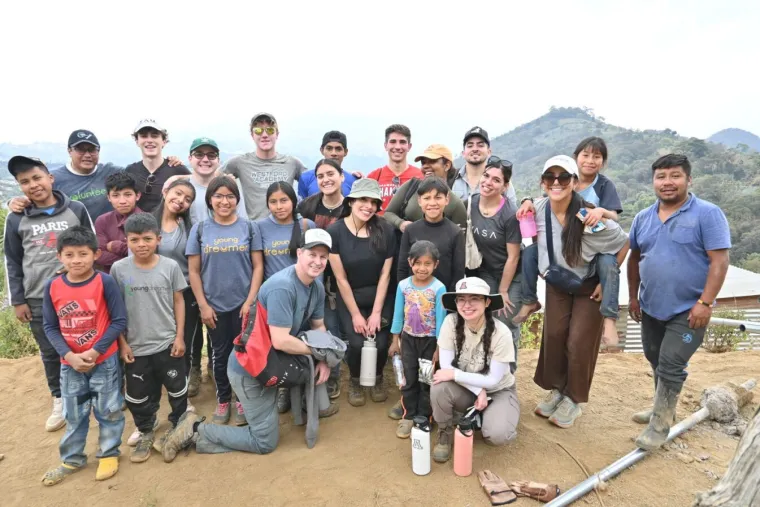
(472, 285)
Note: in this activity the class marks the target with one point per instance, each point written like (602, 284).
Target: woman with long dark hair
(572, 321)
(475, 351)
(225, 274)
(363, 246)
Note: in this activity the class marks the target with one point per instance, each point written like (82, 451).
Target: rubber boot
(644, 416)
(662, 415)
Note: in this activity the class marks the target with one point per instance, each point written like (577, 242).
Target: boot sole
(358, 403)
(57, 427)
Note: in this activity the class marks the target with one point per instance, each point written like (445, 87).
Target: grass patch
(16, 339)
(530, 331)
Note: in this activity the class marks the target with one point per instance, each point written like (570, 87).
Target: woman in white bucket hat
(474, 351)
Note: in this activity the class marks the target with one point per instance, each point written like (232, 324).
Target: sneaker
(396, 412)
(182, 436)
(190, 407)
(135, 436)
(404, 428)
(378, 392)
(331, 410)
(333, 388)
(240, 419)
(141, 452)
(547, 407)
(442, 449)
(56, 420)
(194, 383)
(566, 413)
(283, 399)
(356, 395)
(222, 413)
(158, 445)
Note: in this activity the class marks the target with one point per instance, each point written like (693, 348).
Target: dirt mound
(358, 460)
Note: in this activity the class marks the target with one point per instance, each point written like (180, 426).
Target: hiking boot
(194, 384)
(356, 395)
(547, 407)
(141, 452)
(222, 413)
(396, 412)
(331, 410)
(333, 388)
(240, 419)
(566, 413)
(404, 428)
(181, 436)
(158, 445)
(283, 399)
(442, 449)
(378, 392)
(642, 417)
(663, 413)
(135, 436)
(56, 420)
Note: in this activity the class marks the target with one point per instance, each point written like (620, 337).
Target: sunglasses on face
(563, 178)
(494, 161)
(211, 155)
(149, 181)
(260, 130)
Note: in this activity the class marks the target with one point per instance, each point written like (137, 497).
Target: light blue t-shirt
(273, 240)
(199, 210)
(419, 311)
(674, 261)
(226, 265)
(290, 303)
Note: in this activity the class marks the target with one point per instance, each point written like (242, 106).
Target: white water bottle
(421, 446)
(368, 370)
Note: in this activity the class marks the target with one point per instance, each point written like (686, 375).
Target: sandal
(496, 489)
(56, 475)
(536, 490)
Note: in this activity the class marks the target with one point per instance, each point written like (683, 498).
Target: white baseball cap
(316, 237)
(148, 124)
(564, 162)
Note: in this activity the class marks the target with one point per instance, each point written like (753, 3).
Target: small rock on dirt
(704, 457)
(715, 426)
(2, 457)
(685, 458)
(650, 373)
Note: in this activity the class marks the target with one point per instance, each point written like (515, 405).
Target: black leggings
(228, 326)
(193, 333)
(356, 341)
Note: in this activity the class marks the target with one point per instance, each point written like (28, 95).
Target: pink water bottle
(528, 225)
(463, 448)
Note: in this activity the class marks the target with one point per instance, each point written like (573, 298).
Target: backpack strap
(414, 184)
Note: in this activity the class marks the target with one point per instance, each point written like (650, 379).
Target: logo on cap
(463, 285)
(83, 135)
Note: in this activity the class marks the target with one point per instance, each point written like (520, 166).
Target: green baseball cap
(203, 141)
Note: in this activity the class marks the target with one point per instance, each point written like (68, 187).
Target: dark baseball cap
(83, 136)
(336, 136)
(476, 132)
(20, 163)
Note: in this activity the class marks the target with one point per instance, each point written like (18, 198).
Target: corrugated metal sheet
(632, 338)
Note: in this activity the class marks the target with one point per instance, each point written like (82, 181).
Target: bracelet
(526, 199)
(709, 305)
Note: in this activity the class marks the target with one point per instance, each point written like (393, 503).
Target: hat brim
(362, 194)
(448, 299)
(84, 141)
(431, 156)
(470, 136)
(560, 166)
(309, 246)
(195, 147)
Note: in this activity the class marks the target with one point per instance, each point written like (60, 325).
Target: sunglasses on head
(260, 130)
(149, 183)
(494, 161)
(564, 178)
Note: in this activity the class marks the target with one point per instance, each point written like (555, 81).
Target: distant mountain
(732, 138)
(727, 177)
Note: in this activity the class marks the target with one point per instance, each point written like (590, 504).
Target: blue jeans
(606, 267)
(100, 389)
(260, 405)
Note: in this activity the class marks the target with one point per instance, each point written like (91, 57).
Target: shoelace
(239, 408)
(222, 408)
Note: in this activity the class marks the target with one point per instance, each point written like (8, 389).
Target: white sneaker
(190, 407)
(56, 420)
(135, 436)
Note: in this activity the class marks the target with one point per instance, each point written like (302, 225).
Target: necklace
(485, 211)
(331, 208)
(356, 227)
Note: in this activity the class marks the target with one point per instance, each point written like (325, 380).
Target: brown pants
(570, 344)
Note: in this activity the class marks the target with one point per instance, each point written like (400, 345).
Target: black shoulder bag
(557, 276)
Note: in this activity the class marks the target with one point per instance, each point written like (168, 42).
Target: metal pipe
(580, 490)
(743, 325)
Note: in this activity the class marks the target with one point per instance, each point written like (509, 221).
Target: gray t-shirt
(149, 297)
(226, 265)
(256, 174)
(199, 211)
(290, 303)
(173, 246)
(607, 241)
(493, 233)
(273, 240)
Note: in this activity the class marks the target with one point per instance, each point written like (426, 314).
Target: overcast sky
(203, 68)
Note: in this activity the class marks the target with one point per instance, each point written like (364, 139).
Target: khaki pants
(499, 419)
(570, 344)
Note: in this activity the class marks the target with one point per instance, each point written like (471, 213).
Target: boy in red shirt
(121, 190)
(398, 142)
(83, 315)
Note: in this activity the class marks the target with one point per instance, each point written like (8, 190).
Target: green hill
(724, 176)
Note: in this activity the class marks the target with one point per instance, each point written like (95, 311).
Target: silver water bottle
(368, 371)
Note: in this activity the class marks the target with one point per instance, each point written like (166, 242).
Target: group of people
(428, 262)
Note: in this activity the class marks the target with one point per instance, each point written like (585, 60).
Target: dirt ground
(358, 460)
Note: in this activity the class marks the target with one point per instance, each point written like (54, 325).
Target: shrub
(16, 339)
(531, 330)
(720, 338)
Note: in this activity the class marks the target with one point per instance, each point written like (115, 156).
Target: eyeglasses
(494, 161)
(224, 197)
(149, 181)
(469, 300)
(211, 155)
(260, 130)
(563, 178)
(86, 149)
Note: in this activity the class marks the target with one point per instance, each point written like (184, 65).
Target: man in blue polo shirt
(334, 146)
(679, 259)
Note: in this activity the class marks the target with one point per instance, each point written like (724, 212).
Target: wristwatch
(526, 199)
(705, 303)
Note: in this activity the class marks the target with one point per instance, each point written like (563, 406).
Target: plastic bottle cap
(465, 424)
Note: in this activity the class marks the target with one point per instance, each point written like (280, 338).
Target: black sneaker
(333, 388)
